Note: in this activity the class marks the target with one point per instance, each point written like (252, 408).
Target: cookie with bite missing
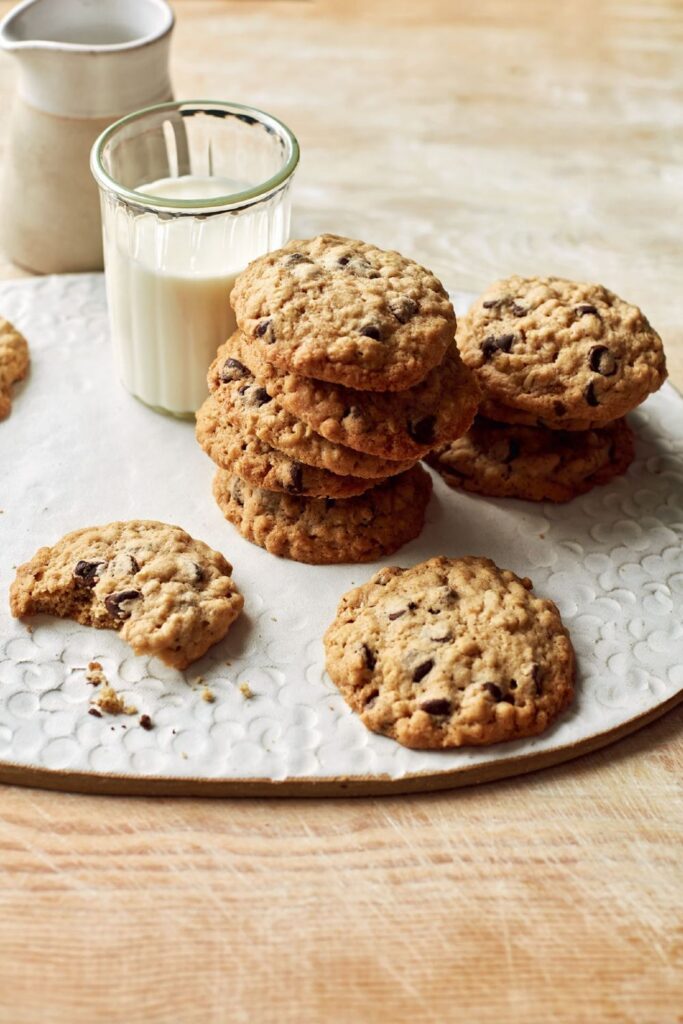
(505, 461)
(258, 463)
(396, 425)
(564, 354)
(241, 400)
(166, 594)
(451, 653)
(327, 531)
(344, 311)
(14, 363)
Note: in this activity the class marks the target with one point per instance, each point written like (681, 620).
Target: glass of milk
(190, 193)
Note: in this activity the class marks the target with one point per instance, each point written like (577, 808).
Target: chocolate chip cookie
(324, 532)
(570, 355)
(14, 363)
(259, 464)
(450, 653)
(505, 461)
(397, 425)
(243, 401)
(167, 594)
(344, 311)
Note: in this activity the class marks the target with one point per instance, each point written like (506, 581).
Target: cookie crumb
(246, 691)
(95, 712)
(29, 627)
(208, 695)
(198, 681)
(184, 756)
(95, 674)
(146, 722)
(112, 703)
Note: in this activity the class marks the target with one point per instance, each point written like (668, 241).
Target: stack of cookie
(342, 375)
(560, 364)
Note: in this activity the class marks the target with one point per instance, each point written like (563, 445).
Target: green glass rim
(215, 203)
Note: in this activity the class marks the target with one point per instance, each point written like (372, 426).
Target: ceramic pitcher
(82, 65)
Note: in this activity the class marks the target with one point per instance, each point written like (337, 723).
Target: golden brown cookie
(451, 653)
(167, 594)
(324, 532)
(14, 363)
(244, 401)
(534, 463)
(568, 354)
(397, 425)
(344, 311)
(259, 464)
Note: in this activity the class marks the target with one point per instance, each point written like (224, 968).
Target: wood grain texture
(501, 135)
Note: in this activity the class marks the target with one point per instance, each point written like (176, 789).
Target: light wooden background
(492, 136)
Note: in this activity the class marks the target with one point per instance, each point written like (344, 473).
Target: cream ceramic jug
(82, 65)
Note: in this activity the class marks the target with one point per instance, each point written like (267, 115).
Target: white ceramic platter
(77, 451)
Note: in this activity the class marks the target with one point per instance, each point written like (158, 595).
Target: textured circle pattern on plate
(612, 560)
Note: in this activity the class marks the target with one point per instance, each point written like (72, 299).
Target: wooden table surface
(484, 137)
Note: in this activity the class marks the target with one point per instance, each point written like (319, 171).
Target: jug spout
(90, 58)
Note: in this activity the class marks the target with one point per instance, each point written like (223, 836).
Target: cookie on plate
(243, 401)
(396, 425)
(505, 461)
(345, 311)
(256, 462)
(450, 653)
(567, 354)
(167, 594)
(325, 532)
(14, 363)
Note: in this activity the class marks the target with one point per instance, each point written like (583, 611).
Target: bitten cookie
(345, 311)
(504, 461)
(450, 653)
(324, 532)
(261, 465)
(569, 355)
(397, 425)
(244, 401)
(14, 363)
(167, 594)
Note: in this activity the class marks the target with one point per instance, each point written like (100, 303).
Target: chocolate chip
(536, 679)
(421, 671)
(198, 572)
(436, 707)
(601, 361)
(261, 329)
(134, 564)
(590, 396)
(442, 639)
(233, 369)
(371, 331)
(361, 267)
(496, 303)
(514, 448)
(146, 722)
(343, 260)
(494, 690)
(113, 602)
(490, 346)
(296, 479)
(260, 396)
(297, 257)
(329, 503)
(519, 310)
(513, 684)
(422, 432)
(369, 657)
(95, 712)
(559, 408)
(587, 310)
(374, 694)
(396, 615)
(87, 572)
(403, 307)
